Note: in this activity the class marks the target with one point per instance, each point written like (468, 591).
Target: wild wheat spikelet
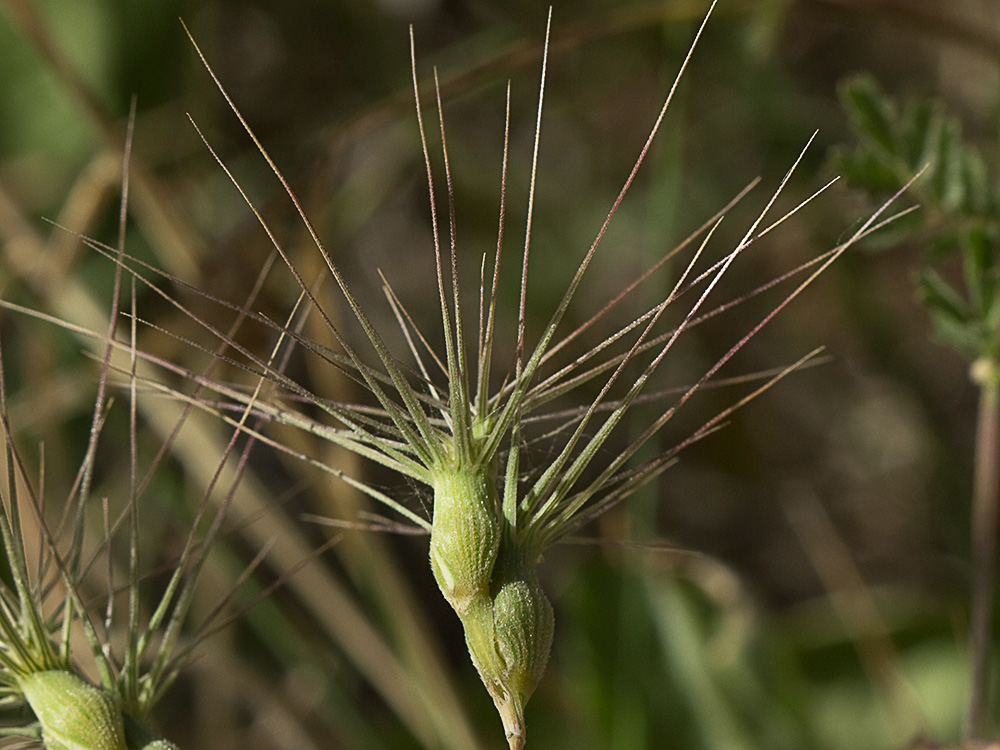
(490, 580)
(74, 715)
(465, 535)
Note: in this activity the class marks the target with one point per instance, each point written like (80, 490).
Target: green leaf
(980, 195)
(947, 177)
(941, 299)
(863, 168)
(920, 125)
(945, 243)
(979, 256)
(954, 323)
(872, 113)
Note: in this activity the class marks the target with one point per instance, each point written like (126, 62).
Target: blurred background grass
(826, 605)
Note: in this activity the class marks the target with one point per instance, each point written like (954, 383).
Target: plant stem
(986, 498)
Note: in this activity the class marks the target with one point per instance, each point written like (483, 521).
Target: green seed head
(73, 714)
(465, 535)
(524, 623)
(490, 581)
(509, 635)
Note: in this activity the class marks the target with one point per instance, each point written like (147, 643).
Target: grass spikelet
(90, 670)
(454, 414)
(442, 421)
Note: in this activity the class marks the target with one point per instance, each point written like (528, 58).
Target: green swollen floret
(72, 713)
(465, 535)
(492, 584)
(511, 639)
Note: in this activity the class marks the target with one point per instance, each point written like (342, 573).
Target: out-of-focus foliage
(961, 217)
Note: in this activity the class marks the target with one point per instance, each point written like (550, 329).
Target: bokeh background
(797, 580)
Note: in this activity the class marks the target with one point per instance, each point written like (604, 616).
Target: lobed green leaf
(872, 114)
